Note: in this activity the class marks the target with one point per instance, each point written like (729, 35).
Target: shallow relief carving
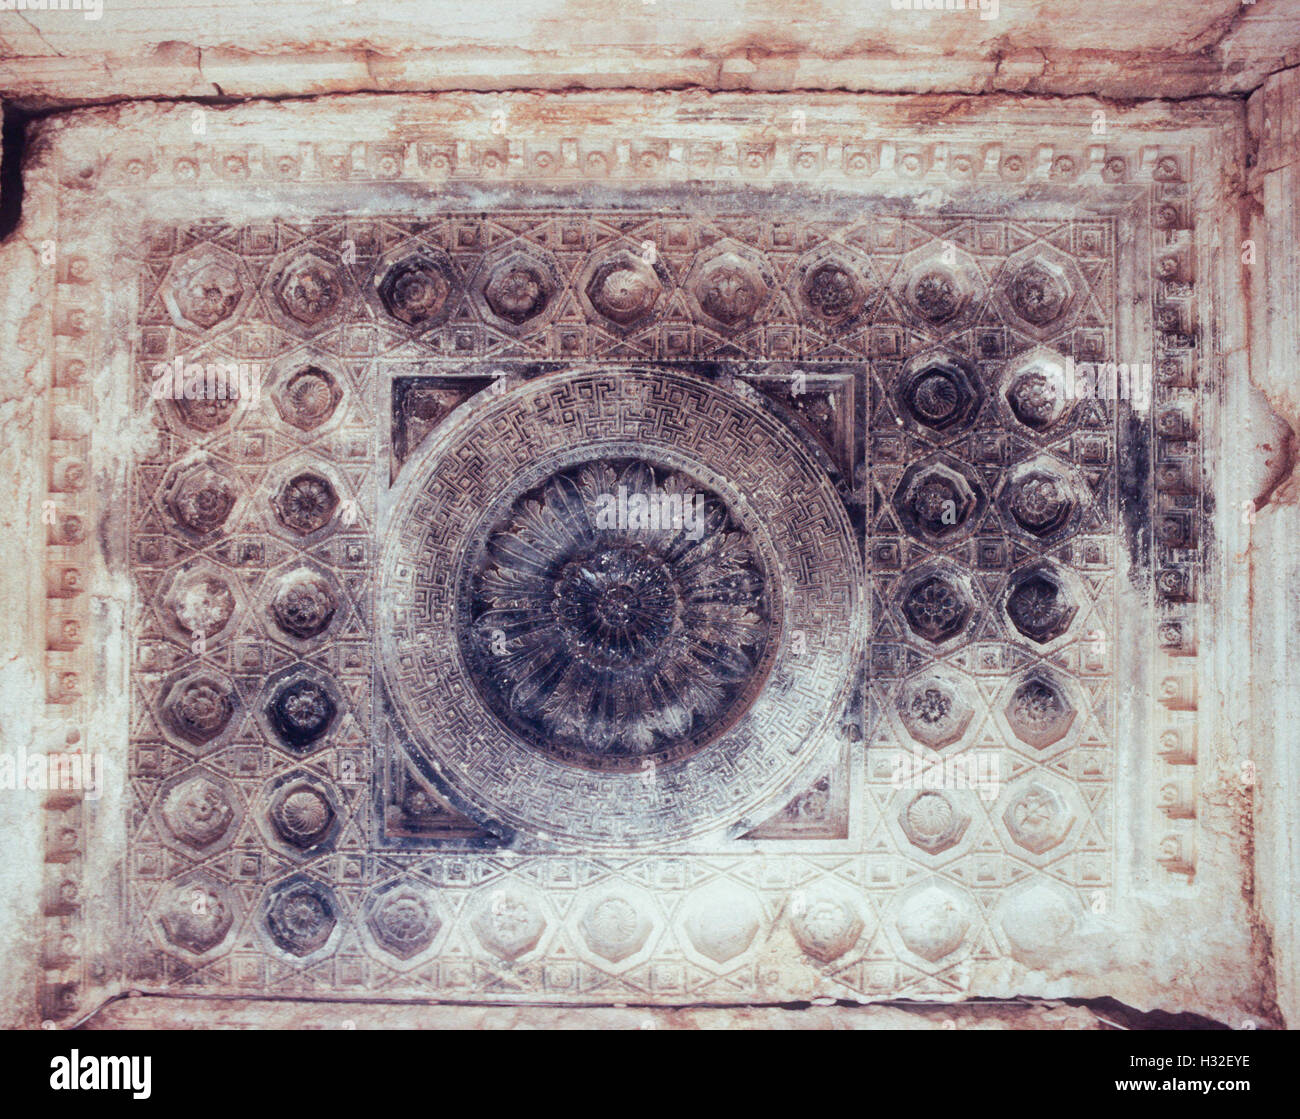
(649, 690)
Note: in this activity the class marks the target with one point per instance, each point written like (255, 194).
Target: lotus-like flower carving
(619, 614)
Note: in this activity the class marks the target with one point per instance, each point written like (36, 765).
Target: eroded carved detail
(1039, 293)
(1039, 711)
(301, 916)
(308, 398)
(509, 922)
(616, 925)
(1038, 818)
(933, 923)
(306, 503)
(206, 290)
(603, 638)
(304, 603)
(826, 921)
(199, 707)
(201, 603)
(1039, 605)
(1040, 502)
(721, 921)
(198, 811)
(403, 920)
(309, 290)
(937, 608)
(935, 709)
(197, 914)
(518, 290)
(202, 499)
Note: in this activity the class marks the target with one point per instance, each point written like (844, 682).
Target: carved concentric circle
(598, 678)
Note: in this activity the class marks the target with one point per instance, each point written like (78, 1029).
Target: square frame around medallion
(940, 731)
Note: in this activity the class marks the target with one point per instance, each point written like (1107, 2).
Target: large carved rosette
(619, 615)
(625, 608)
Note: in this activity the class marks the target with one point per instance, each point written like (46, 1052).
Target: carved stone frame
(1184, 829)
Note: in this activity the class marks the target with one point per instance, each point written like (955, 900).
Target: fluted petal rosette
(619, 615)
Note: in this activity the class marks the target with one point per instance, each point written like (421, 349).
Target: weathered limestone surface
(1112, 48)
(149, 1013)
(24, 410)
(1270, 716)
(1176, 920)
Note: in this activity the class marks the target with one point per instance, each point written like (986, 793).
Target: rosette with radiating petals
(619, 615)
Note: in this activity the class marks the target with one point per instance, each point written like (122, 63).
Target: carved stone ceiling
(656, 555)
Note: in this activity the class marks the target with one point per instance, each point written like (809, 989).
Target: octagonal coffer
(303, 602)
(415, 288)
(1039, 290)
(936, 605)
(197, 912)
(1036, 389)
(940, 393)
(299, 707)
(1040, 604)
(302, 812)
(1039, 709)
(201, 497)
(1038, 816)
(729, 284)
(833, 285)
(199, 707)
(308, 291)
(934, 820)
(403, 918)
(206, 288)
(940, 500)
(936, 708)
(516, 287)
(1040, 501)
(625, 286)
(301, 915)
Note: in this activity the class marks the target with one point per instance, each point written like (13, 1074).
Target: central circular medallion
(618, 614)
(622, 607)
